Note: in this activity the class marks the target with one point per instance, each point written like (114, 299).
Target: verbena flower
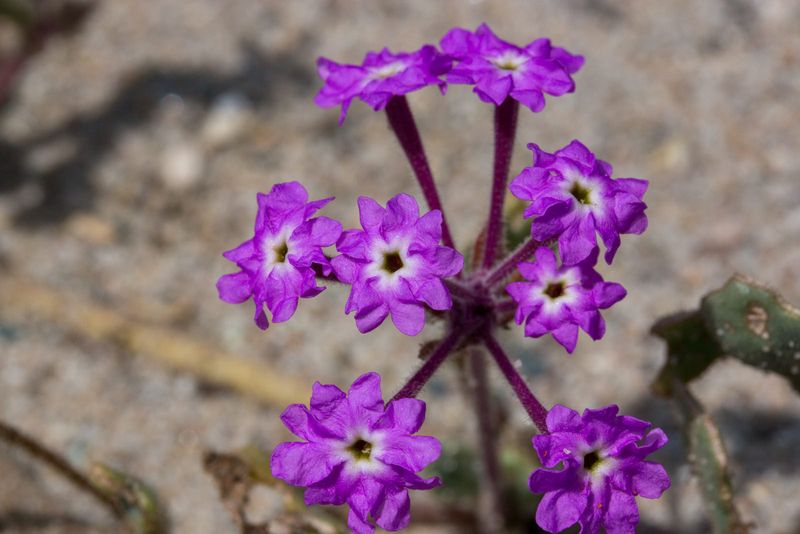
(380, 76)
(558, 300)
(276, 264)
(603, 470)
(499, 69)
(573, 197)
(395, 264)
(357, 451)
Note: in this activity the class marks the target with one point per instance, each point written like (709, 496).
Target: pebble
(182, 165)
(226, 121)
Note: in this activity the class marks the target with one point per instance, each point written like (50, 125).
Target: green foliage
(139, 505)
(456, 467)
(743, 320)
(20, 12)
(709, 463)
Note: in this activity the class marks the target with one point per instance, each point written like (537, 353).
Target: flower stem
(535, 409)
(402, 122)
(491, 515)
(505, 128)
(460, 290)
(509, 264)
(15, 438)
(418, 380)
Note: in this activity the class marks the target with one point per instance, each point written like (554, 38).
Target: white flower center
(509, 60)
(390, 261)
(387, 71)
(276, 248)
(360, 451)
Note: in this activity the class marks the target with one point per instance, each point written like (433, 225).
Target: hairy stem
(418, 380)
(402, 122)
(460, 290)
(535, 409)
(491, 515)
(509, 264)
(15, 438)
(505, 128)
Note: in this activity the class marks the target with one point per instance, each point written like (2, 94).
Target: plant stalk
(418, 380)
(402, 122)
(505, 129)
(535, 409)
(491, 516)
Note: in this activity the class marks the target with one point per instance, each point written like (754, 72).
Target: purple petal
(320, 232)
(346, 269)
(408, 318)
(302, 423)
(560, 509)
(435, 294)
(533, 99)
(302, 464)
(578, 152)
(622, 515)
(371, 318)
(544, 481)
(395, 512)
(402, 415)
(371, 214)
(567, 336)
(606, 294)
(234, 288)
(413, 453)
(366, 493)
(494, 89)
(430, 226)
(365, 393)
(244, 251)
(563, 419)
(358, 524)
(648, 479)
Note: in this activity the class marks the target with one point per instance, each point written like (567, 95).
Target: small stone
(91, 229)
(226, 121)
(261, 504)
(182, 164)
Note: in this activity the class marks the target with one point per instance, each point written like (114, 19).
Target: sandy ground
(132, 153)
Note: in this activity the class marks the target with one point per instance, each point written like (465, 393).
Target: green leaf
(744, 320)
(142, 512)
(456, 466)
(710, 464)
(20, 12)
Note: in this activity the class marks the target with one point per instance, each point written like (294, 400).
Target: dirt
(137, 146)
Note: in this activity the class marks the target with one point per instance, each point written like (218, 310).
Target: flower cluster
(603, 458)
(403, 264)
(357, 451)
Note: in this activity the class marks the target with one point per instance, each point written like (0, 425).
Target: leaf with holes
(744, 320)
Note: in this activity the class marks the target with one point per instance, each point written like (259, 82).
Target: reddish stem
(535, 409)
(505, 128)
(415, 384)
(402, 122)
(509, 264)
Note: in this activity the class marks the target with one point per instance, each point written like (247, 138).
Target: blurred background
(135, 135)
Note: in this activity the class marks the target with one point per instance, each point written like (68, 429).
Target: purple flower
(395, 264)
(381, 76)
(276, 263)
(573, 197)
(602, 454)
(357, 451)
(499, 69)
(560, 299)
